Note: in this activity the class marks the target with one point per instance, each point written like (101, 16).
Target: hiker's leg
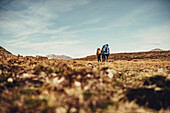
(106, 58)
(98, 58)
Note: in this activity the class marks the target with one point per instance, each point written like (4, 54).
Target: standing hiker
(98, 53)
(103, 55)
(106, 52)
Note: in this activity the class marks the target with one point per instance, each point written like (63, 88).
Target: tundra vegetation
(129, 82)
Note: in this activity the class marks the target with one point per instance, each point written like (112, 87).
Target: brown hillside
(4, 52)
(137, 55)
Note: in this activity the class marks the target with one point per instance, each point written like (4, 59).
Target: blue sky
(77, 27)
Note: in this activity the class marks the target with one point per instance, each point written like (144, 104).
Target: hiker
(106, 52)
(98, 53)
(103, 55)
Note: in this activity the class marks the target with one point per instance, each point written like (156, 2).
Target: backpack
(99, 52)
(106, 49)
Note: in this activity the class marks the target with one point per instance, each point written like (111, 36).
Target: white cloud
(44, 48)
(93, 21)
(23, 44)
(15, 40)
(156, 36)
(24, 17)
(25, 20)
(131, 18)
(28, 21)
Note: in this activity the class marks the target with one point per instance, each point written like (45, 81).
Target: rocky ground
(37, 84)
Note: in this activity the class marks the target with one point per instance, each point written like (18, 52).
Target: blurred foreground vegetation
(38, 84)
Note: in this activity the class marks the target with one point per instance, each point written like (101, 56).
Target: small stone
(60, 110)
(10, 80)
(86, 87)
(110, 73)
(158, 89)
(54, 74)
(77, 83)
(57, 80)
(160, 70)
(25, 75)
(70, 91)
(88, 75)
(73, 110)
(42, 74)
(90, 65)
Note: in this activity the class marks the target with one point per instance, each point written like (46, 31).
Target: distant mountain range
(157, 49)
(153, 54)
(5, 53)
(63, 57)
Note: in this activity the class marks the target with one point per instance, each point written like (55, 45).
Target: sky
(78, 27)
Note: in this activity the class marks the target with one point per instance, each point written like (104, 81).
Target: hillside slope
(136, 55)
(4, 52)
